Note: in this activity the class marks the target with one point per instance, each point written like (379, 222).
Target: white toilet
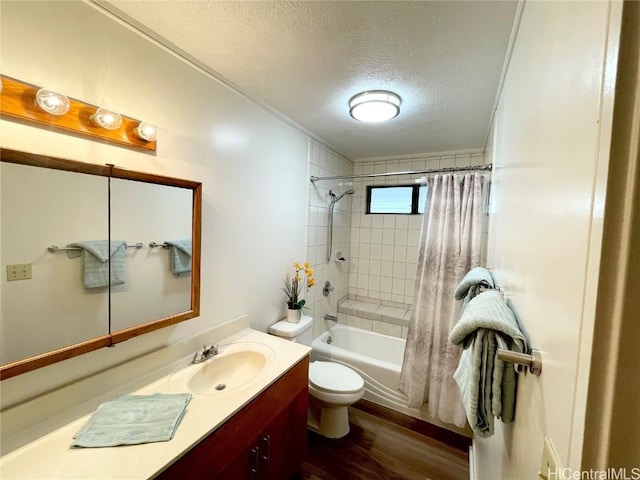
(332, 386)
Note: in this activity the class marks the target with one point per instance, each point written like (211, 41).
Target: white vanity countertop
(51, 456)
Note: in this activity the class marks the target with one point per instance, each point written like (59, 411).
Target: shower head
(335, 198)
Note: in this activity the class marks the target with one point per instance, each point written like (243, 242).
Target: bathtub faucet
(331, 318)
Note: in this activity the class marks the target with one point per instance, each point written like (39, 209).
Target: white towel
(133, 419)
(471, 284)
(95, 261)
(487, 388)
(179, 256)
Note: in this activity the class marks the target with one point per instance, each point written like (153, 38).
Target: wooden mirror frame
(32, 363)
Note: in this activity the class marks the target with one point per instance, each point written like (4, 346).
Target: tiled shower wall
(324, 162)
(384, 248)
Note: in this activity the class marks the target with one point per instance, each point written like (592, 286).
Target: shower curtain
(450, 244)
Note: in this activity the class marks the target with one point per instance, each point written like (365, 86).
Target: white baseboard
(472, 463)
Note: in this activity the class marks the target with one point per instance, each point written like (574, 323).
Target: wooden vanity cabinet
(266, 440)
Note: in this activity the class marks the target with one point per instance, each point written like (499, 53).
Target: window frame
(415, 196)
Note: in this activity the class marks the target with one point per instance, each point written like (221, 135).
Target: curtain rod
(412, 172)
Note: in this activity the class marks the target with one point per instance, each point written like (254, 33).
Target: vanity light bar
(46, 107)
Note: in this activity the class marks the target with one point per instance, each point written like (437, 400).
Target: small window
(398, 199)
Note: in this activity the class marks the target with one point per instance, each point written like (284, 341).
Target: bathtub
(376, 357)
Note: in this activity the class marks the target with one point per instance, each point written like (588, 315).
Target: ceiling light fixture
(375, 106)
(147, 132)
(107, 119)
(52, 102)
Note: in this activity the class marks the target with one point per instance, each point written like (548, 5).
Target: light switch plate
(549, 462)
(19, 271)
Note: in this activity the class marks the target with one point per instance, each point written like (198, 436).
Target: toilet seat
(334, 378)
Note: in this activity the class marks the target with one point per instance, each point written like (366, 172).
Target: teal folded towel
(95, 261)
(488, 389)
(133, 419)
(471, 285)
(179, 256)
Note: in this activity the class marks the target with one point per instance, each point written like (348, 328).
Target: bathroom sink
(236, 365)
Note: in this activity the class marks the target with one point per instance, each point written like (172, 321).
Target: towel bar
(55, 248)
(158, 245)
(533, 360)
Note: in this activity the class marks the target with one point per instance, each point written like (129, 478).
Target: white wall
(253, 166)
(549, 147)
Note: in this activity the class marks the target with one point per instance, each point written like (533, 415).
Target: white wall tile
(389, 243)
(376, 236)
(386, 285)
(388, 236)
(399, 254)
(386, 268)
(402, 221)
(358, 322)
(400, 237)
(375, 267)
(398, 286)
(387, 328)
(389, 221)
(399, 269)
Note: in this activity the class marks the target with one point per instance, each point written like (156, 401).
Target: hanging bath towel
(471, 285)
(488, 389)
(179, 256)
(95, 261)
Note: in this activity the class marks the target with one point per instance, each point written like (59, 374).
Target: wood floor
(379, 449)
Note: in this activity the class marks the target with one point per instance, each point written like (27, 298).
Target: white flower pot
(293, 316)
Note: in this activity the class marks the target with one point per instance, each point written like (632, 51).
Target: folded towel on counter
(471, 284)
(488, 389)
(179, 256)
(133, 419)
(95, 261)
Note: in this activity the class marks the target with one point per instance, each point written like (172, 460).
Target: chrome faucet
(204, 354)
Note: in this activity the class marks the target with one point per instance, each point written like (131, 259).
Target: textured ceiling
(306, 59)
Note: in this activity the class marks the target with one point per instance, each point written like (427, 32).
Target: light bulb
(107, 119)
(147, 132)
(52, 102)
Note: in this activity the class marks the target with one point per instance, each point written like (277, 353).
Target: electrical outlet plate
(19, 271)
(549, 462)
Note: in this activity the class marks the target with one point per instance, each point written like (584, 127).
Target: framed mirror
(53, 212)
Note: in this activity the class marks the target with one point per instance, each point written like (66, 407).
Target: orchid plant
(293, 289)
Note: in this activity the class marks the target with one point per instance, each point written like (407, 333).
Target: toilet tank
(301, 332)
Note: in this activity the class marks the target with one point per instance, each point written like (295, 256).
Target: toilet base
(330, 422)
